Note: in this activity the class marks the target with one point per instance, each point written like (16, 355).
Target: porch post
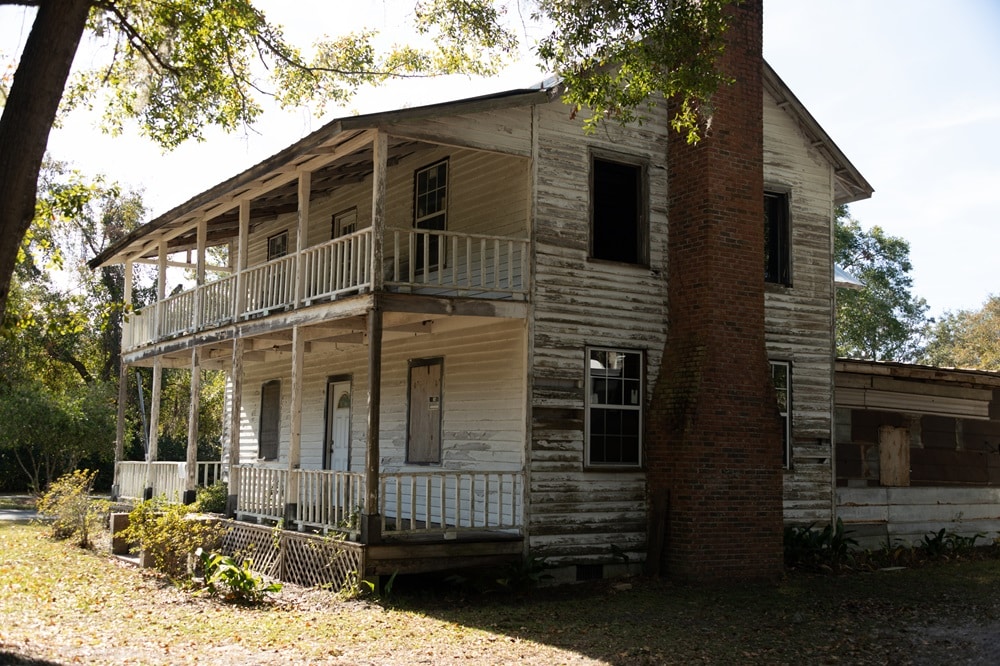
(371, 522)
(235, 423)
(295, 426)
(154, 425)
(161, 289)
(202, 241)
(122, 391)
(192, 443)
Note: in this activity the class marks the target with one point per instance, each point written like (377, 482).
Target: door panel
(423, 441)
(338, 426)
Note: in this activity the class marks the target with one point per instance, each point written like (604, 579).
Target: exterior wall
(799, 318)
(951, 464)
(483, 399)
(578, 514)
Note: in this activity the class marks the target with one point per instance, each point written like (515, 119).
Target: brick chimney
(713, 440)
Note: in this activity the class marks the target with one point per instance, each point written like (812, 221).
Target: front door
(338, 426)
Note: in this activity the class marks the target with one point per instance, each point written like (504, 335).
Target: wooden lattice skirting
(309, 560)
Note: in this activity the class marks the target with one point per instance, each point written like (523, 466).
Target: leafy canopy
(884, 321)
(967, 338)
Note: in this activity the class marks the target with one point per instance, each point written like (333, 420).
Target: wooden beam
(235, 424)
(295, 425)
(371, 524)
(192, 441)
(154, 418)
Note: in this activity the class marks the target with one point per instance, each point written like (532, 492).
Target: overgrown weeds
(232, 581)
(169, 535)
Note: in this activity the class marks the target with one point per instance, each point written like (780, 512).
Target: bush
(74, 513)
(233, 582)
(165, 533)
(827, 549)
(212, 499)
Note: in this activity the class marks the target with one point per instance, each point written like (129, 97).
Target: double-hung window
(781, 377)
(277, 246)
(614, 407)
(430, 212)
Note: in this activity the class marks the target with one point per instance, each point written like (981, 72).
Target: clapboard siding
(577, 513)
(483, 417)
(799, 318)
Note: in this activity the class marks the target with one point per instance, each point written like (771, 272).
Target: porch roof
(275, 176)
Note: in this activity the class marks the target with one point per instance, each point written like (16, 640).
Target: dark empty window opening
(618, 229)
(270, 420)
(777, 234)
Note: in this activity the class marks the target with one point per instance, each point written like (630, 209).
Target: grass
(67, 605)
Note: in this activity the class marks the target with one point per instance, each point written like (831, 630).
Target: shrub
(234, 582)
(212, 499)
(166, 534)
(827, 549)
(74, 513)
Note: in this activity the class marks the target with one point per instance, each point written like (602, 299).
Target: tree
(178, 65)
(883, 321)
(967, 338)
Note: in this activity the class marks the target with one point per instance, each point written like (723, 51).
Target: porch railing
(449, 502)
(432, 502)
(166, 478)
(415, 261)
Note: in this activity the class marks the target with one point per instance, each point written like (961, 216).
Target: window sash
(781, 377)
(614, 407)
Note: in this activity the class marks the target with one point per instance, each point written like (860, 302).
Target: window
(781, 377)
(777, 234)
(277, 246)
(423, 428)
(345, 223)
(618, 228)
(270, 420)
(430, 210)
(614, 407)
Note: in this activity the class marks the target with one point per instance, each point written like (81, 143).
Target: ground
(62, 605)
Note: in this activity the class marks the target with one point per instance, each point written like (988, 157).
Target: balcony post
(295, 425)
(235, 423)
(240, 300)
(380, 151)
(161, 289)
(199, 297)
(122, 389)
(301, 235)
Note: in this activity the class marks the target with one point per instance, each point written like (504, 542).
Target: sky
(908, 89)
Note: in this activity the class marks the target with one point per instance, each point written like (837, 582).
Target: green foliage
(613, 56)
(232, 581)
(74, 514)
(944, 544)
(212, 499)
(828, 549)
(883, 321)
(524, 574)
(966, 338)
(167, 534)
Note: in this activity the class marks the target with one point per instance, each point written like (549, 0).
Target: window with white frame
(614, 407)
(781, 377)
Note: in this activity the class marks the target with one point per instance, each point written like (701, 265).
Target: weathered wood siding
(799, 325)
(579, 514)
(483, 419)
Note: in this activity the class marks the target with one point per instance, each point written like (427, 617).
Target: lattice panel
(312, 561)
(301, 559)
(244, 541)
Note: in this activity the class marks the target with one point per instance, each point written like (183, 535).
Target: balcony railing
(415, 261)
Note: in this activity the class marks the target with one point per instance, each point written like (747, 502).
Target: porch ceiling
(283, 199)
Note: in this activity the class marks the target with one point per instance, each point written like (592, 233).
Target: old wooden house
(443, 326)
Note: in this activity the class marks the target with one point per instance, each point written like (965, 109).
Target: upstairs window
(618, 222)
(430, 210)
(777, 239)
(781, 377)
(614, 407)
(277, 246)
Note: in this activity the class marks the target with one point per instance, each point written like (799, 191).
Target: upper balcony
(345, 213)
(433, 263)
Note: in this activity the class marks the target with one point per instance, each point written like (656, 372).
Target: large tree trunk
(30, 110)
